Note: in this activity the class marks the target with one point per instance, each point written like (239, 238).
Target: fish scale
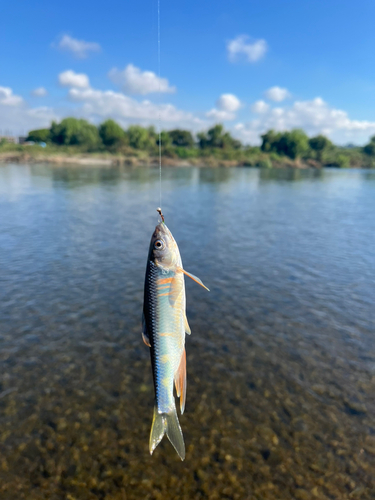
(168, 340)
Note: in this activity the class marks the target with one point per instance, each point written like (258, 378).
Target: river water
(281, 360)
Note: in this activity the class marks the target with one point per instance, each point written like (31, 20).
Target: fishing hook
(160, 213)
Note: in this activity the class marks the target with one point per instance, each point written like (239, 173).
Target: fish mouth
(161, 230)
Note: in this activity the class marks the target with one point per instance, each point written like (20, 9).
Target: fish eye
(159, 245)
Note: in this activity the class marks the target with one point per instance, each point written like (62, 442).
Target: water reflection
(76, 176)
(215, 175)
(290, 174)
(369, 175)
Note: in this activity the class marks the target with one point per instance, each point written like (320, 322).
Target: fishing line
(159, 104)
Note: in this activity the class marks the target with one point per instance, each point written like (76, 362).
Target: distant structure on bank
(12, 139)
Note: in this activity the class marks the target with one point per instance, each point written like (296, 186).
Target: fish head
(164, 251)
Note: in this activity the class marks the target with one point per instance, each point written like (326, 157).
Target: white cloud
(16, 117)
(98, 104)
(39, 92)
(71, 79)
(95, 105)
(228, 102)
(41, 116)
(7, 98)
(277, 94)
(79, 48)
(244, 47)
(226, 106)
(135, 81)
(219, 115)
(260, 107)
(314, 116)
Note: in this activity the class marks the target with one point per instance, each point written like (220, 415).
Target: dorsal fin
(180, 381)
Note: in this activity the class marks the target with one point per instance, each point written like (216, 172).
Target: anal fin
(180, 381)
(145, 336)
(187, 327)
(146, 340)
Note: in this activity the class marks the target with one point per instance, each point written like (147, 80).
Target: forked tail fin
(167, 423)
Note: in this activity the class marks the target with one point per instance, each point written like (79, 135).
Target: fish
(164, 325)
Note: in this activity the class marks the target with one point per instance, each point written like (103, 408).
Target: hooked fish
(164, 326)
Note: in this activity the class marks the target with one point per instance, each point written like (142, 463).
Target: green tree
(211, 139)
(111, 133)
(165, 137)
(72, 131)
(181, 138)
(152, 133)
(270, 141)
(343, 161)
(139, 137)
(228, 142)
(39, 135)
(202, 139)
(217, 138)
(293, 144)
(369, 149)
(319, 144)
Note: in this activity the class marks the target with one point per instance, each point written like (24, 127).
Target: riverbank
(79, 142)
(261, 160)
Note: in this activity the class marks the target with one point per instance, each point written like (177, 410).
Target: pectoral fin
(194, 278)
(180, 381)
(145, 336)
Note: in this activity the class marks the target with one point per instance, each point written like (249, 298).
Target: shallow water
(281, 361)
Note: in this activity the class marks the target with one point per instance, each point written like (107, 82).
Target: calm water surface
(281, 361)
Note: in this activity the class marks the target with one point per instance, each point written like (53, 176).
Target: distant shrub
(369, 149)
(181, 138)
(186, 153)
(320, 144)
(165, 138)
(111, 133)
(343, 161)
(74, 132)
(39, 135)
(294, 144)
(140, 137)
(265, 163)
(215, 137)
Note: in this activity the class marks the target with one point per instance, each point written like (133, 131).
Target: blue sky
(219, 61)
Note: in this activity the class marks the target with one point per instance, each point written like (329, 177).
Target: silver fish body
(164, 329)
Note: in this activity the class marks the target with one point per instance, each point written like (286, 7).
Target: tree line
(110, 136)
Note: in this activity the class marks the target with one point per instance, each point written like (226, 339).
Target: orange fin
(180, 381)
(146, 340)
(187, 327)
(145, 337)
(194, 278)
